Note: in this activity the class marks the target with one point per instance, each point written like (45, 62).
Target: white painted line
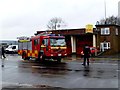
(106, 64)
(118, 70)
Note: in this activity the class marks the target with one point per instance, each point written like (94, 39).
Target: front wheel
(40, 57)
(59, 60)
(24, 56)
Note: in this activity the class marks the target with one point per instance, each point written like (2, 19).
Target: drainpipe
(73, 44)
(94, 43)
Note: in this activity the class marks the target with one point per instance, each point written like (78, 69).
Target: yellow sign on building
(89, 28)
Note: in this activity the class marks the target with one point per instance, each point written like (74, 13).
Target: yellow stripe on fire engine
(54, 47)
(63, 47)
(33, 54)
(28, 54)
(43, 46)
(58, 47)
(24, 40)
(30, 51)
(36, 52)
(20, 52)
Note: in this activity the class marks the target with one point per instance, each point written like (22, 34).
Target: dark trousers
(3, 54)
(84, 62)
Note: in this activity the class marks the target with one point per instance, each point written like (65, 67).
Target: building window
(116, 31)
(105, 31)
(104, 46)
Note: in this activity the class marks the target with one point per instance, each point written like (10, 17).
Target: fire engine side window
(30, 45)
(43, 41)
(36, 41)
(46, 42)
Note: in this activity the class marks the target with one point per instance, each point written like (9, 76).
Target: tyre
(28, 58)
(59, 60)
(40, 57)
(24, 56)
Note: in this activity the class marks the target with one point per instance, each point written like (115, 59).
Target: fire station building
(105, 37)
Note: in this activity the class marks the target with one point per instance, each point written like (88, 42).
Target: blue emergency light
(51, 35)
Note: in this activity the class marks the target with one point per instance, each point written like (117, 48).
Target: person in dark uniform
(3, 52)
(87, 52)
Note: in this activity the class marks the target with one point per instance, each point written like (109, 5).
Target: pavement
(107, 58)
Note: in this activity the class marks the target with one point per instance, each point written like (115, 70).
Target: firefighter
(87, 52)
(3, 52)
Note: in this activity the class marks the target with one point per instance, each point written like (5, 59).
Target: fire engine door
(35, 47)
(44, 46)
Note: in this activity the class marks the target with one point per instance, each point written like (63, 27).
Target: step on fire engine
(45, 46)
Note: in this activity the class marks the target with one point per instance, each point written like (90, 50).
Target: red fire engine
(43, 46)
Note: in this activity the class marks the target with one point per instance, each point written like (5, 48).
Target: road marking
(118, 70)
(4, 84)
(106, 63)
(38, 67)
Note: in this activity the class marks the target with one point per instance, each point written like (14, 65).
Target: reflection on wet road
(66, 74)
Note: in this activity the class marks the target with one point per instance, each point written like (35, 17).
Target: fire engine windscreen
(57, 42)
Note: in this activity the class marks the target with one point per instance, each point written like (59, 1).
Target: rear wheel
(41, 57)
(24, 56)
(59, 60)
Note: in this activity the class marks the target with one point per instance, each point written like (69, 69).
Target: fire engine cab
(45, 46)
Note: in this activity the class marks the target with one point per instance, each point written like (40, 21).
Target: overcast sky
(25, 17)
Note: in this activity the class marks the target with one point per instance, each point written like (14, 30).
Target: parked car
(12, 49)
(93, 51)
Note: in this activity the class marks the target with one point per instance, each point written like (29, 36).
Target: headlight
(65, 54)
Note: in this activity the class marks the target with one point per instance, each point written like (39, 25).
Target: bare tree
(110, 20)
(55, 23)
(118, 20)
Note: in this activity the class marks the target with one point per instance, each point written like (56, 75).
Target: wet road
(68, 74)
